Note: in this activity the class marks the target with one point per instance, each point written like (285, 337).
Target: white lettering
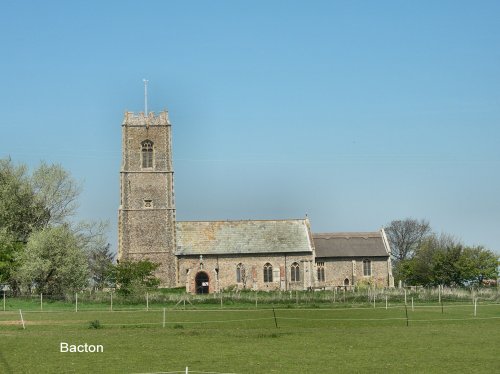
(80, 348)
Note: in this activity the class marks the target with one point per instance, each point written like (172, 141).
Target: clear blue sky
(356, 113)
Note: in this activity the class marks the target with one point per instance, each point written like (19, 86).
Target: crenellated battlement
(141, 119)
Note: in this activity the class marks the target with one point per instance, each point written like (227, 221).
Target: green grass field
(315, 340)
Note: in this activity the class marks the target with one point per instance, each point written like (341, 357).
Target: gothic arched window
(147, 154)
(320, 266)
(268, 273)
(367, 268)
(295, 276)
(240, 273)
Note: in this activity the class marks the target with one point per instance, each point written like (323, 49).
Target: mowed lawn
(354, 340)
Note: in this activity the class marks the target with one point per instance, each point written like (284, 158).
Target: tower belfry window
(147, 154)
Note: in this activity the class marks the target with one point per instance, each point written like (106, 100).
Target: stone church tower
(146, 217)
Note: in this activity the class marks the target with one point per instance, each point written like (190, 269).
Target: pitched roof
(242, 237)
(350, 244)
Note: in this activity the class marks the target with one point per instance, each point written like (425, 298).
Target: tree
(405, 236)
(57, 192)
(101, 266)
(20, 211)
(53, 262)
(9, 248)
(135, 276)
(443, 260)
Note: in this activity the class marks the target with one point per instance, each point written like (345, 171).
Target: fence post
(76, 302)
(439, 293)
(385, 302)
(41, 301)
(256, 300)
(147, 301)
(111, 301)
(406, 311)
(475, 306)
(405, 295)
(163, 317)
(274, 314)
(221, 300)
(22, 319)
(412, 309)
(4, 300)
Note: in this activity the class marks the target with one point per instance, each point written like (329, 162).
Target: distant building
(209, 256)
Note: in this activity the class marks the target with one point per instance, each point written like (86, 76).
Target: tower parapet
(141, 119)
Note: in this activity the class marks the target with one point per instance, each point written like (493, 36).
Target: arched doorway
(346, 282)
(201, 282)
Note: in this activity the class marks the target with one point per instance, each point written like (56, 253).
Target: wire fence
(91, 300)
(253, 318)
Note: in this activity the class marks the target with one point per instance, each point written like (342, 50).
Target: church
(212, 256)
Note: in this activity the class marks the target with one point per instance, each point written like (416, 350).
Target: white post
(412, 309)
(256, 300)
(221, 300)
(374, 301)
(41, 301)
(147, 301)
(76, 302)
(4, 300)
(187, 371)
(405, 295)
(439, 293)
(163, 317)
(22, 319)
(475, 307)
(334, 294)
(111, 301)
(385, 302)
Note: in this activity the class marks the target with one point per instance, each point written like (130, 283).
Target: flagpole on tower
(145, 96)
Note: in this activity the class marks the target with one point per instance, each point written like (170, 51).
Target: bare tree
(405, 236)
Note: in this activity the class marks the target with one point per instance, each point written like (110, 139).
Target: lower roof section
(351, 244)
(242, 237)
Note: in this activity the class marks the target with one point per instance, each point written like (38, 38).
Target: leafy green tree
(442, 260)
(20, 211)
(53, 262)
(101, 266)
(9, 248)
(135, 276)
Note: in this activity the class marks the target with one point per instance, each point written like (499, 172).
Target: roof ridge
(246, 220)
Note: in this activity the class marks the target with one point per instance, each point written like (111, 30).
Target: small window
(240, 273)
(295, 276)
(367, 268)
(147, 154)
(268, 273)
(148, 203)
(320, 266)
